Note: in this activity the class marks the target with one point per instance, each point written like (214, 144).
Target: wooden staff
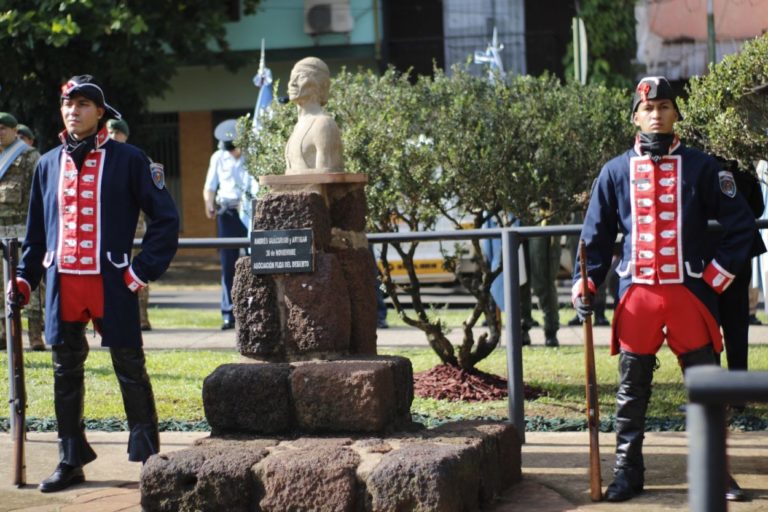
(593, 413)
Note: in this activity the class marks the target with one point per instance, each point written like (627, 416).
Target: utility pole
(711, 50)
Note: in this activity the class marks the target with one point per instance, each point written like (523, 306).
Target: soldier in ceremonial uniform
(17, 163)
(660, 195)
(85, 201)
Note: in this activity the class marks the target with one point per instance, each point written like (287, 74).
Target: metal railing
(710, 388)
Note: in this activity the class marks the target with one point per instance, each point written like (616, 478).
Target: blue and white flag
(492, 56)
(262, 80)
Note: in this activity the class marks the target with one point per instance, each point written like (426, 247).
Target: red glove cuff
(717, 277)
(132, 281)
(24, 290)
(576, 289)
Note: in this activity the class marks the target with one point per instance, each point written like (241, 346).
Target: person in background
(85, 200)
(734, 302)
(544, 265)
(226, 184)
(120, 131)
(660, 195)
(26, 134)
(17, 164)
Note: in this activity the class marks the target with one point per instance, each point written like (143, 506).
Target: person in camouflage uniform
(17, 164)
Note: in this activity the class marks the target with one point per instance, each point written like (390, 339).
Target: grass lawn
(177, 377)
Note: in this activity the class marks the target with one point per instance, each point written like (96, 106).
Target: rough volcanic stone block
(348, 211)
(249, 398)
(200, 479)
(499, 448)
(425, 476)
(256, 310)
(318, 478)
(294, 211)
(347, 396)
(360, 274)
(317, 310)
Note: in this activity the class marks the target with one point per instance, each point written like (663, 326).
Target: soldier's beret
(25, 130)
(119, 125)
(8, 120)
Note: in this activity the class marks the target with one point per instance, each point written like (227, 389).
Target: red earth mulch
(446, 382)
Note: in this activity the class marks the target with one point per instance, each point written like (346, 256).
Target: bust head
(310, 81)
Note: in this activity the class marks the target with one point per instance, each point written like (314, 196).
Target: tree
(460, 148)
(726, 112)
(132, 47)
(611, 44)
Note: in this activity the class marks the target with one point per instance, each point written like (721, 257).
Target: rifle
(593, 414)
(18, 393)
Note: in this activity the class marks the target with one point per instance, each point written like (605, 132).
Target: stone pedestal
(457, 467)
(310, 368)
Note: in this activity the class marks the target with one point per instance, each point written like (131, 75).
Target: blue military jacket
(662, 210)
(114, 183)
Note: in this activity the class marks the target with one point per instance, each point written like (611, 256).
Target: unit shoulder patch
(727, 183)
(158, 174)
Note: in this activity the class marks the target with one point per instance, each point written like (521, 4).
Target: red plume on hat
(653, 88)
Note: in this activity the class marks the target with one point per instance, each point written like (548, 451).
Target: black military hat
(653, 88)
(86, 85)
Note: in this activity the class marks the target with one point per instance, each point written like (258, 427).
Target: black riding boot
(69, 392)
(699, 357)
(138, 400)
(636, 374)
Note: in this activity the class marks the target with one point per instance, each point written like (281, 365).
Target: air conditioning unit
(327, 16)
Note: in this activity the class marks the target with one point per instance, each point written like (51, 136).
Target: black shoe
(735, 493)
(38, 348)
(601, 321)
(526, 338)
(753, 320)
(382, 324)
(62, 478)
(228, 324)
(573, 322)
(625, 486)
(146, 327)
(551, 341)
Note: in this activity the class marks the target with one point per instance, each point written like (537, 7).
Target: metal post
(510, 241)
(711, 48)
(705, 424)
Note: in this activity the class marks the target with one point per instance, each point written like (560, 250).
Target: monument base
(353, 394)
(460, 466)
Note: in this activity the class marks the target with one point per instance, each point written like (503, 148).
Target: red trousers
(649, 314)
(82, 297)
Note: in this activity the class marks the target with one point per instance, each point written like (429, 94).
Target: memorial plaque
(282, 251)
